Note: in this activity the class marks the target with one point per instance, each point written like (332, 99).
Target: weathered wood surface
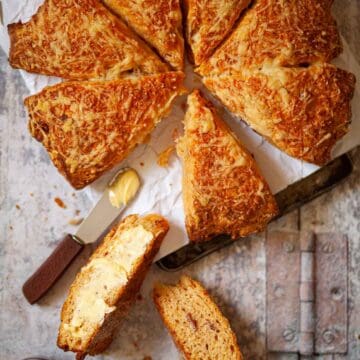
(30, 221)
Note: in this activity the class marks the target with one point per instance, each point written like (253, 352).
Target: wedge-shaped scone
(196, 324)
(208, 22)
(302, 111)
(286, 33)
(223, 190)
(88, 127)
(159, 22)
(104, 289)
(79, 40)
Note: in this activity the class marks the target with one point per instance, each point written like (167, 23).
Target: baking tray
(294, 196)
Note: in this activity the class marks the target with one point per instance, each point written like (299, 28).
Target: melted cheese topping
(158, 22)
(222, 187)
(208, 23)
(285, 33)
(79, 40)
(88, 127)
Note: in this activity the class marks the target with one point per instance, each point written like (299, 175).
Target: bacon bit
(18, 206)
(60, 203)
(163, 158)
(75, 221)
(175, 134)
(141, 164)
(192, 321)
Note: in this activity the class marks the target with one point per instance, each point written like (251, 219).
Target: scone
(159, 22)
(106, 287)
(208, 22)
(196, 324)
(79, 40)
(302, 111)
(88, 127)
(223, 190)
(282, 33)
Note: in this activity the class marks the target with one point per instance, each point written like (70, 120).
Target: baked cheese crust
(286, 33)
(79, 40)
(223, 190)
(302, 111)
(88, 127)
(159, 22)
(208, 22)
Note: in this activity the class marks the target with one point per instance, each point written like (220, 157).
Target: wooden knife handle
(52, 268)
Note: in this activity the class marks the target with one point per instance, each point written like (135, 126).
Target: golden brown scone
(88, 127)
(208, 22)
(79, 40)
(159, 22)
(199, 329)
(104, 289)
(285, 33)
(223, 190)
(302, 111)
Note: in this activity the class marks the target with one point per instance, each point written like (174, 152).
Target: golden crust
(223, 190)
(79, 40)
(195, 322)
(97, 338)
(159, 22)
(282, 33)
(208, 22)
(88, 127)
(303, 111)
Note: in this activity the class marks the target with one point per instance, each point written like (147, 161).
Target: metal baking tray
(288, 199)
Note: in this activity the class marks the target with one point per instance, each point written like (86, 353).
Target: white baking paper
(161, 187)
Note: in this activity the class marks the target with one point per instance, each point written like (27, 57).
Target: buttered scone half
(106, 287)
(79, 40)
(88, 127)
(194, 321)
(223, 189)
(208, 22)
(302, 111)
(159, 22)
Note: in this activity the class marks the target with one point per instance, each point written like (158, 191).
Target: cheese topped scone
(223, 190)
(282, 33)
(159, 22)
(79, 40)
(196, 324)
(88, 127)
(302, 111)
(105, 288)
(208, 22)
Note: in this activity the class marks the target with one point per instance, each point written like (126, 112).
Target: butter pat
(124, 188)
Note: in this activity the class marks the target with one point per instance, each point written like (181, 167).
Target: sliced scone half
(88, 127)
(198, 327)
(223, 190)
(104, 289)
(286, 33)
(302, 111)
(79, 40)
(159, 22)
(208, 22)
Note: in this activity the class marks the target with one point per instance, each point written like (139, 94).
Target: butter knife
(120, 191)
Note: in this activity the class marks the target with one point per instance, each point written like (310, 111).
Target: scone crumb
(164, 156)
(59, 202)
(75, 221)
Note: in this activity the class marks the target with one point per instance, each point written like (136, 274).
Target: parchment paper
(161, 189)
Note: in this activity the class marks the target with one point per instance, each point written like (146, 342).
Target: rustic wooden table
(31, 222)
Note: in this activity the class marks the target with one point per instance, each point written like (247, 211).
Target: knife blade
(120, 191)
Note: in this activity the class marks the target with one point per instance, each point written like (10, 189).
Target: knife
(119, 192)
